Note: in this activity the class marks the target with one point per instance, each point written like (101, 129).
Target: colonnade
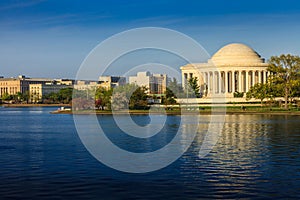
(8, 90)
(230, 81)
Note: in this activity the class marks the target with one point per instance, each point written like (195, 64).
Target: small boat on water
(62, 110)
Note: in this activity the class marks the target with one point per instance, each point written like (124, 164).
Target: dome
(236, 54)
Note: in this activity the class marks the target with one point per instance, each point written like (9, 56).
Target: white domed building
(233, 68)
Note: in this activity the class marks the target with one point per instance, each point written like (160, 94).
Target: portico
(234, 68)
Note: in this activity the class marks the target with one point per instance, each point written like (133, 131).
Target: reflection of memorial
(235, 67)
(241, 146)
(237, 135)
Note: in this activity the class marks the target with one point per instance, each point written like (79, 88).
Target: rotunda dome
(236, 54)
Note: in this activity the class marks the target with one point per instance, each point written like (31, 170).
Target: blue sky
(51, 38)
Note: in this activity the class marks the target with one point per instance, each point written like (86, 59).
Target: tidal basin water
(42, 157)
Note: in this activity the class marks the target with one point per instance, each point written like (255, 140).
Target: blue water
(42, 157)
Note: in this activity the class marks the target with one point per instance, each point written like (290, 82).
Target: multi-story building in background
(12, 86)
(155, 83)
(106, 82)
(64, 82)
(35, 88)
(85, 85)
(109, 82)
(39, 90)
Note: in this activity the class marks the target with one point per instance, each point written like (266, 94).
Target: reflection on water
(256, 156)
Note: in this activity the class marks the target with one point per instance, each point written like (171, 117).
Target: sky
(51, 38)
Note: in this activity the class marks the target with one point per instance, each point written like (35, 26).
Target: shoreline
(296, 113)
(228, 111)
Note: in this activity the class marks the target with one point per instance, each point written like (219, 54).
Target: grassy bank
(206, 110)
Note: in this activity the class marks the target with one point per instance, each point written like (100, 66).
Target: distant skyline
(51, 38)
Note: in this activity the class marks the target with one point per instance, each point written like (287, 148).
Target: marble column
(253, 78)
(220, 82)
(247, 81)
(209, 82)
(226, 81)
(230, 81)
(183, 80)
(265, 76)
(213, 82)
(233, 81)
(240, 82)
(206, 81)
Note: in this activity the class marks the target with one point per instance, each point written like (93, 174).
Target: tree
(138, 99)
(259, 91)
(126, 89)
(7, 97)
(193, 87)
(285, 72)
(175, 89)
(237, 94)
(295, 92)
(51, 97)
(119, 101)
(25, 96)
(136, 95)
(169, 97)
(18, 97)
(82, 104)
(79, 94)
(65, 95)
(103, 98)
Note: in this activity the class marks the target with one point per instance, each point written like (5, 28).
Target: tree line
(64, 96)
(283, 80)
(128, 96)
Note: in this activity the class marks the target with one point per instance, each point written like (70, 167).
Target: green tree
(137, 96)
(51, 98)
(237, 94)
(295, 91)
(65, 95)
(259, 91)
(7, 97)
(285, 73)
(174, 89)
(18, 97)
(79, 94)
(193, 89)
(169, 97)
(138, 99)
(25, 96)
(127, 89)
(103, 98)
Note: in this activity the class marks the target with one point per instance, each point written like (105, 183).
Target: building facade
(86, 85)
(106, 82)
(109, 82)
(234, 68)
(12, 86)
(39, 90)
(155, 83)
(35, 88)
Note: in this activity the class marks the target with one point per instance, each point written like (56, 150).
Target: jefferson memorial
(233, 68)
